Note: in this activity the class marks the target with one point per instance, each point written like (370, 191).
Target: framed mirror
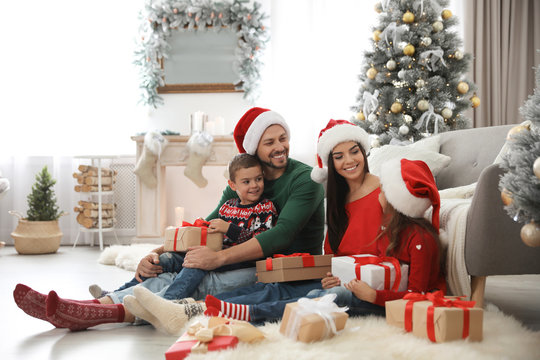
(199, 46)
(200, 62)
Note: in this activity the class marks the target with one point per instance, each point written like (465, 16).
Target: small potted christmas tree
(39, 232)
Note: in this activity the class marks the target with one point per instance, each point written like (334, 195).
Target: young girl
(408, 190)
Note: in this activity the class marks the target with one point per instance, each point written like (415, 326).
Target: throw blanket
(453, 224)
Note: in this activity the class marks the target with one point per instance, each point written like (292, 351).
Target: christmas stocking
(199, 146)
(154, 143)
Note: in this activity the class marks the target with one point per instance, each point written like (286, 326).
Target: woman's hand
(330, 281)
(362, 290)
(147, 267)
(218, 226)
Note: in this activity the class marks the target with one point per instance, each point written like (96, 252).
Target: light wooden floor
(70, 271)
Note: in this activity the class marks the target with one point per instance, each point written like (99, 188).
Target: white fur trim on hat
(257, 128)
(396, 191)
(338, 134)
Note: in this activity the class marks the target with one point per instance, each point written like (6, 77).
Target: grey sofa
(492, 242)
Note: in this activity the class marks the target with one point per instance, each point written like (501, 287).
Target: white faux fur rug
(125, 256)
(372, 338)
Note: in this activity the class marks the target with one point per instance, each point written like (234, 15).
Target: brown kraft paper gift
(182, 238)
(293, 267)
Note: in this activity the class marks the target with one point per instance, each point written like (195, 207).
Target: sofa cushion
(416, 151)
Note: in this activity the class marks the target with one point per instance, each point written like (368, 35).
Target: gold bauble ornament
(408, 17)
(423, 105)
(517, 129)
(446, 14)
(530, 234)
(360, 116)
(462, 87)
(437, 26)
(378, 7)
(475, 100)
(377, 35)
(409, 50)
(506, 197)
(446, 113)
(396, 107)
(371, 73)
(536, 167)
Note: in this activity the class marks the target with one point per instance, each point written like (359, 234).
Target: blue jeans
(171, 262)
(259, 293)
(213, 283)
(274, 310)
(188, 280)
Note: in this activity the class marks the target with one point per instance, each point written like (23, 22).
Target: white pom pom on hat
(336, 132)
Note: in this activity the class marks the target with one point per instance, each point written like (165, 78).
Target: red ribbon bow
(307, 260)
(200, 223)
(438, 300)
(378, 260)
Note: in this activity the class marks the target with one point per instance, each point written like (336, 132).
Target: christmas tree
(413, 78)
(520, 185)
(42, 201)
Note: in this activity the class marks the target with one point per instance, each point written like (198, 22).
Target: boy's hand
(330, 281)
(218, 226)
(362, 290)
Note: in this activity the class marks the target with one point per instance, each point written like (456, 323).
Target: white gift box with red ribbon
(378, 272)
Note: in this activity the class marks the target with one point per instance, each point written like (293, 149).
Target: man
(299, 200)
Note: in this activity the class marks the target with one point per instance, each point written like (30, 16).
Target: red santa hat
(336, 132)
(410, 188)
(252, 125)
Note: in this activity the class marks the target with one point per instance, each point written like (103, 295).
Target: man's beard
(273, 166)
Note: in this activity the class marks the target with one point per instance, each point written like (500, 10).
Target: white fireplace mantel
(151, 203)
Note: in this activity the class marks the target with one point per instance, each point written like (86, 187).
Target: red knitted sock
(79, 316)
(233, 311)
(35, 303)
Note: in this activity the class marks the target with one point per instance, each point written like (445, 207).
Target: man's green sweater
(300, 204)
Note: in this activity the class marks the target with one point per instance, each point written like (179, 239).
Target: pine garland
(410, 77)
(42, 201)
(160, 17)
(519, 180)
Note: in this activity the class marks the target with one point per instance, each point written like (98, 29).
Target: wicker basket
(36, 237)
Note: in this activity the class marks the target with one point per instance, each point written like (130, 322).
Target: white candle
(210, 127)
(197, 120)
(219, 125)
(178, 216)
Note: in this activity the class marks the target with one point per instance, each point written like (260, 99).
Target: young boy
(240, 219)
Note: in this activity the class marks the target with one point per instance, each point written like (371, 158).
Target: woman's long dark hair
(337, 190)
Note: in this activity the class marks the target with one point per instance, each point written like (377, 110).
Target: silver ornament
(446, 113)
(426, 41)
(423, 105)
(403, 129)
(437, 26)
(401, 74)
(372, 117)
(420, 83)
(458, 54)
(391, 64)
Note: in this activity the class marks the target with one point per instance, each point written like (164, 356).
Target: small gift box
(298, 266)
(187, 344)
(220, 334)
(310, 320)
(436, 317)
(379, 272)
(182, 238)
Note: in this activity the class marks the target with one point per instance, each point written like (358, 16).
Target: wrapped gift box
(309, 327)
(450, 321)
(182, 238)
(187, 344)
(293, 268)
(344, 267)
